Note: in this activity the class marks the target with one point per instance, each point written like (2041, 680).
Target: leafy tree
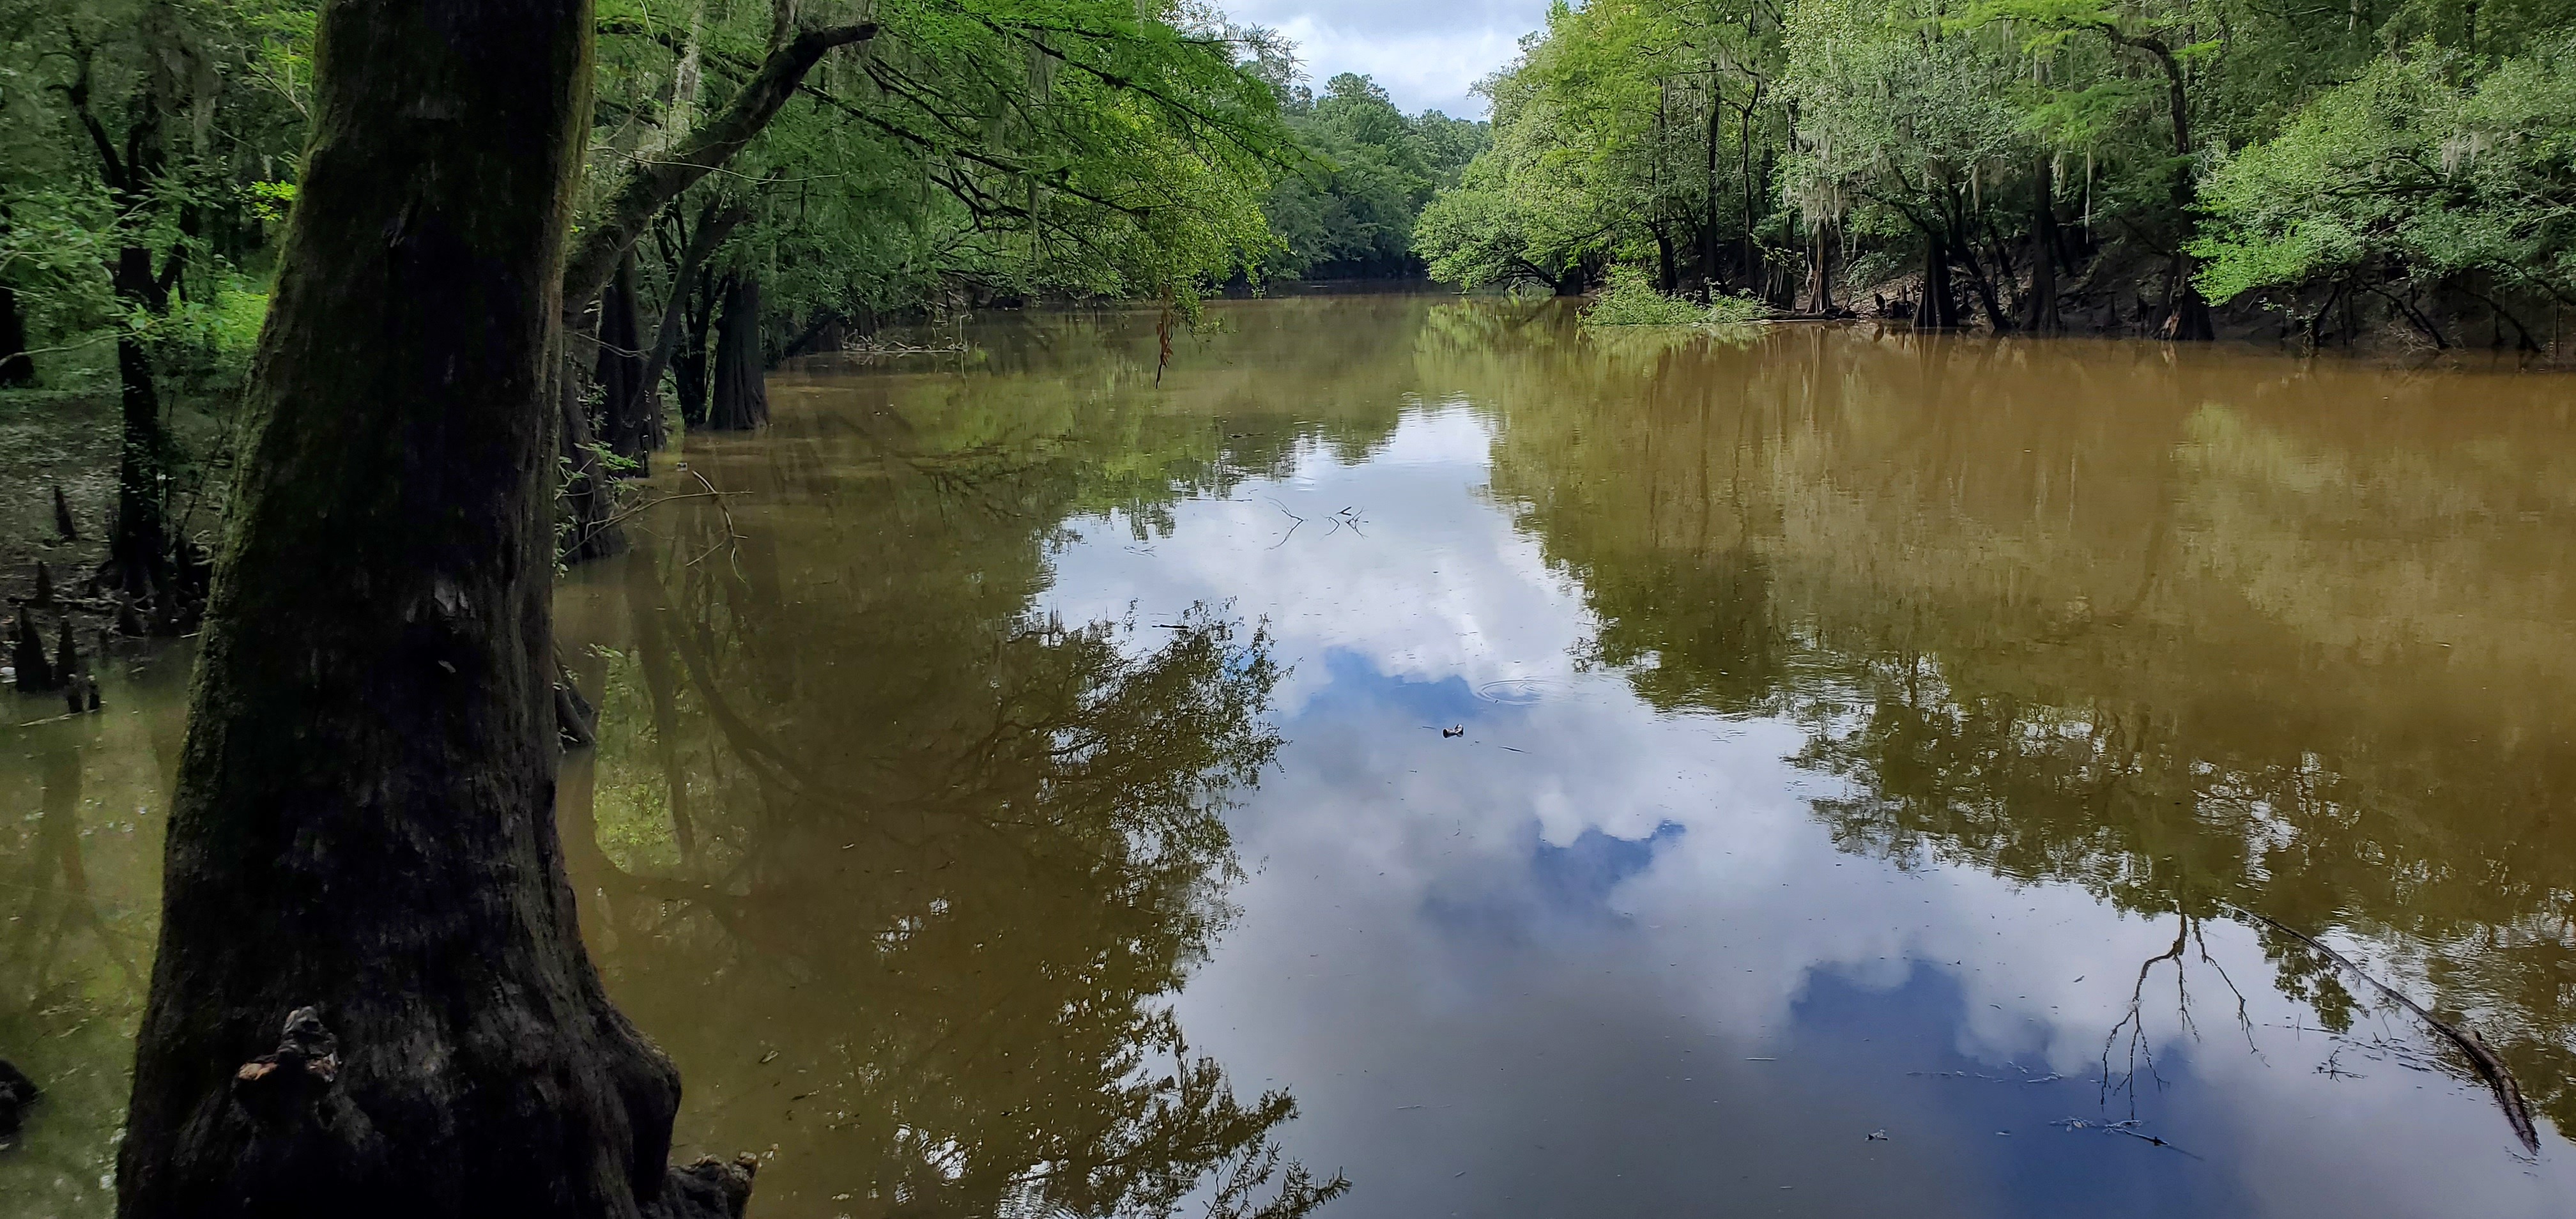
(2033, 164)
(2423, 164)
(1352, 216)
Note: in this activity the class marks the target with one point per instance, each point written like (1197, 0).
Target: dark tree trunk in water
(2186, 314)
(689, 363)
(625, 423)
(2188, 317)
(138, 546)
(741, 393)
(364, 820)
(680, 337)
(2042, 313)
(1820, 270)
(1939, 311)
(588, 499)
(17, 368)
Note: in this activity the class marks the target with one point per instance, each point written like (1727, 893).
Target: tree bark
(624, 422)
(741, 392)
(2041, 311)
(689, 363)
(138, 545)
(1939, 311)
(1710, 241)
(362, 849)
(1753, 266)
(1820, 269)
(588, 500)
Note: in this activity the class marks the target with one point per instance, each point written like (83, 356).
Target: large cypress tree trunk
(138, 544)
(2043, 316)
(364, 817)
(689, 363)
(741, 393)
(624, 421)
(1940, 308)
(1820, 269)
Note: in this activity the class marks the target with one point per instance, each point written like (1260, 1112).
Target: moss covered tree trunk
(741, 400)
(364, 824)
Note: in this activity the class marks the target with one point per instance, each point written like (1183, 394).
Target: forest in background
(2323, 171)
(761, 182)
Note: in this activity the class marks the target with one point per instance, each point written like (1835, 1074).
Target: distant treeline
(1350, 215)
(2317, 170)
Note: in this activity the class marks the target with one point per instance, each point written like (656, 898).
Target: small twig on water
(2128, 1127)
(1292, 529)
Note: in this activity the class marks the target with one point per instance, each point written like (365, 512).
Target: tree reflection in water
(2302, 661)
(905, 878)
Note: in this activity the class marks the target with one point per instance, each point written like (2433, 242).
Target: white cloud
(1427, 55)
(1479, 1017)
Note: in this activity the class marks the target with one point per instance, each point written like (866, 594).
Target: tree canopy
(2034, 164)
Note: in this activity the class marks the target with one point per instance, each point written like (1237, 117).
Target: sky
(1588, 957)
(1426, 53)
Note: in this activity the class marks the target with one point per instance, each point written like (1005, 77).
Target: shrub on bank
(1631, 300)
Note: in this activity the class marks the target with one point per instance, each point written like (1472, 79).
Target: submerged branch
(2499, 1077)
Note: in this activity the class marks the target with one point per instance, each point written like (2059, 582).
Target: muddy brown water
(1535, 773)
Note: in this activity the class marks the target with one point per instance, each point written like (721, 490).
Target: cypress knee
(27, 653)
(67, 657)
(17, 1093)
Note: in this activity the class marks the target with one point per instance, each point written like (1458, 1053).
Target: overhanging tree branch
(651, 185)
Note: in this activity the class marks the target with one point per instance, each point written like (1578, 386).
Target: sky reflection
(1588, 958)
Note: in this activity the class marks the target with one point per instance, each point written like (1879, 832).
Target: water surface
(1811, 772)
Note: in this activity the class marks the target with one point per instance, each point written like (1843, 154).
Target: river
(1529, 772)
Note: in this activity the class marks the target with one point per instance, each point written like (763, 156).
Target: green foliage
(1631, 300)
(1737, 310)
(1624, 132)
(2417, 139)
(2421, 160)
(1352, 213)
(970, 151)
